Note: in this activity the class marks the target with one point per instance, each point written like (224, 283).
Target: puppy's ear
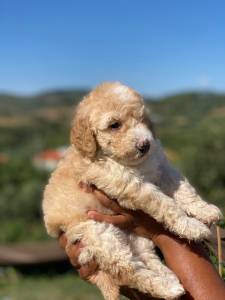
(82, 136)
(147, 120)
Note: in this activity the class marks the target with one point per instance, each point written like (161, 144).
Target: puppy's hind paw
(192, 229)
(169, 290)
(175, 292)
(158, 285)
(210, 214)
(171, 287)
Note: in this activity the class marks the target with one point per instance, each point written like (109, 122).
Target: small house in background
(4, 158)
(48, 159)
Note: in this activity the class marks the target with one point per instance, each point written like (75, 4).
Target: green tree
(204, 163)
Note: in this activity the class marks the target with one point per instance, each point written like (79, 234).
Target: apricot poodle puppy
(114, 147)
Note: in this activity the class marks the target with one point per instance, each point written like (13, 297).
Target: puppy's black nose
(143, 146)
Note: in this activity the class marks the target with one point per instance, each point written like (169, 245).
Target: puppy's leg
(110, 248)
(158, 285)
(132, 193)
(145, 250)
(93, 249)
(106, 284)
(175, 184)
(188, 199)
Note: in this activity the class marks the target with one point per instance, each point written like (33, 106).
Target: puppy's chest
(150, 172)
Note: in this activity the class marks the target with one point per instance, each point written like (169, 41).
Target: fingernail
(91, 214)
(89, 188)
(81, 184)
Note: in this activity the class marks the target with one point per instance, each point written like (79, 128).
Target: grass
(67, 287)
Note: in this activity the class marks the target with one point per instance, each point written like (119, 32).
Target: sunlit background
(51, 54)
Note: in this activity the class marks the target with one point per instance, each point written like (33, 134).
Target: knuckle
(74, 263)
(84, 273)
(111, 205)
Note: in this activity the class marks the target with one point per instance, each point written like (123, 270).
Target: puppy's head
(112, 121)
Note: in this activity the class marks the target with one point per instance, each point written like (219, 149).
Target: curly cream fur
(110, 160)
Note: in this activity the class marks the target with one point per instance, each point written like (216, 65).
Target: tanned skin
(187, 260)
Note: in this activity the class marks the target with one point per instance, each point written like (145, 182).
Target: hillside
(177, 117)
(188, 106)
(11, 104)
(192, 105)
(191, 127)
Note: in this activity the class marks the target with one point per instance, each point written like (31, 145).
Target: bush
(204, 163)
(21, 190)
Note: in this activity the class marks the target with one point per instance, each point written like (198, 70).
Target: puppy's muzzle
(143, 147)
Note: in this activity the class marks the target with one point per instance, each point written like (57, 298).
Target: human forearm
(187, 260)
(192, 266)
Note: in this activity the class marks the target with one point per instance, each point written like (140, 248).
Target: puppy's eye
(115, 125)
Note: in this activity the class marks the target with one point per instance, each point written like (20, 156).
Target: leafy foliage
(191, 126)
(205, 163)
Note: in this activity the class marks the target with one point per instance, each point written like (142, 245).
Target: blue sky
(158, 47)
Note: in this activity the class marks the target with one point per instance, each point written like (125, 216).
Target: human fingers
(136, 221)
(102, 197)
(62, 240)
(107, 202)
(122, 221)
(73, 253)
(87, 270)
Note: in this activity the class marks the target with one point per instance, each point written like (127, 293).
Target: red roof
(4, 158)
(50, 155)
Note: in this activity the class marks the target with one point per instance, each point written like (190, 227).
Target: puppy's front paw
(210, 214)
(192, 229)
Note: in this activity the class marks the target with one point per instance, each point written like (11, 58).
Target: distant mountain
(60, 97)
(12, 104)
(183, 107)
(191, 106)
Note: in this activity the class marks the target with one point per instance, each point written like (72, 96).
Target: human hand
(201, 281)
(84, 271)
(135, 221)
(89, 269)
